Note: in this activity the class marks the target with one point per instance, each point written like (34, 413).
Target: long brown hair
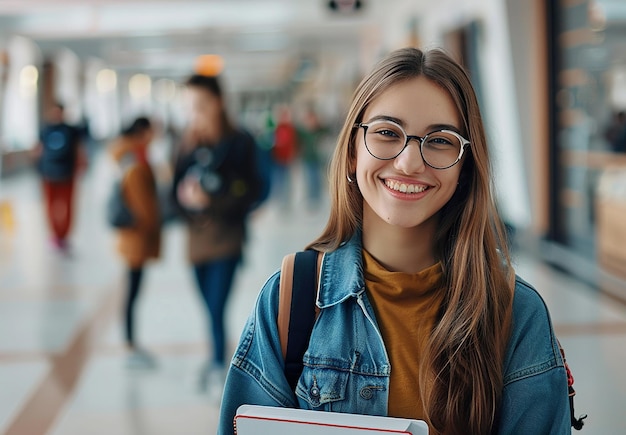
(465, 353)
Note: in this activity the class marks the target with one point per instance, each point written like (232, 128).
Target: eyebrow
(432, 127)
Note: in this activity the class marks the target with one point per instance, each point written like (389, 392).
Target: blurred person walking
(284, 153)
(216, 183)
(311, 135)
(59, 159)
(140, 242)
(265, 163)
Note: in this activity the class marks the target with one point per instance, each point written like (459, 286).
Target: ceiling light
(140, 86)
(106, 81)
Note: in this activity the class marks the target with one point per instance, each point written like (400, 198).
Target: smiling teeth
(405, 188)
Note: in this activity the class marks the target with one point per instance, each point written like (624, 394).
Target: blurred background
(551, 80)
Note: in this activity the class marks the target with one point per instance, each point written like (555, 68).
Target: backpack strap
(297, 310)
(284, 300)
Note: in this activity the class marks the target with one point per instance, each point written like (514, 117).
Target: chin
(404, 221)
(407, 220)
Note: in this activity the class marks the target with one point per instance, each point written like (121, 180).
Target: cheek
(204, 109)
(451, 183)
(455, 177)
(212, 113)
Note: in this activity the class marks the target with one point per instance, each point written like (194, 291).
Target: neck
(408, 250)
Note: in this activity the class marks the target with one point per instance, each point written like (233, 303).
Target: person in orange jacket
(140, 242)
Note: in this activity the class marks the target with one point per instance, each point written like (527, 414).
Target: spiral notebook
(266, 420)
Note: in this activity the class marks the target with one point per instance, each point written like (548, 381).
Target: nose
(410, 160)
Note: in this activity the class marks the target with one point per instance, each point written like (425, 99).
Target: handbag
(118, 213)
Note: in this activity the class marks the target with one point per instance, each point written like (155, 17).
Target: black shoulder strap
(302, 313)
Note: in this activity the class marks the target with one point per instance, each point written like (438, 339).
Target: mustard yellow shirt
(406, 306)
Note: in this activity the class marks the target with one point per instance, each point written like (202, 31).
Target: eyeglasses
(440, 149)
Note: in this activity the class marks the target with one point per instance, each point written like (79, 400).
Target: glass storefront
(588, 60)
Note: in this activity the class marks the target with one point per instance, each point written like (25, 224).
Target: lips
(404, 187)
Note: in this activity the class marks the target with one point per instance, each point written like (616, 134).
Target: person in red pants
(59, 158)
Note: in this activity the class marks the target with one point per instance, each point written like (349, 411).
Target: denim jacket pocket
(320, 386)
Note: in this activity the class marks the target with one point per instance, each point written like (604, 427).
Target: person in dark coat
(216, 183)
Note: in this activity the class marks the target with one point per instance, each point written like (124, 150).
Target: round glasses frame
(464, 142)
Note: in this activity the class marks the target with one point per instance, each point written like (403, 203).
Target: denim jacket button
(315, 392)
(366, 393)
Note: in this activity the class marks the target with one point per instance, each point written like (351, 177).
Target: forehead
(418, 102)
(198, 94)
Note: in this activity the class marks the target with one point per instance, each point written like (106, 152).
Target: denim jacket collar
(341, 275)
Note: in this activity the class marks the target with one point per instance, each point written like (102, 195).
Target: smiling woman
(418, 302)
(422, 188)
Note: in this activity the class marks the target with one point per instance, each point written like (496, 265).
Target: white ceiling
(262, 41)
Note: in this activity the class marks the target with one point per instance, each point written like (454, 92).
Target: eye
(439, 140)
(442, 139)
(387, 132)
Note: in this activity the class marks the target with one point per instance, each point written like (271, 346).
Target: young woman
(216, 183)
(141, 242)
(421, 315)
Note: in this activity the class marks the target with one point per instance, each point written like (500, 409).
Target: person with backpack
(216, 185)
(60, 158)
(419, 312)
(140, 241)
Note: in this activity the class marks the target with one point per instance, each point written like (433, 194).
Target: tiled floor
(62, 361)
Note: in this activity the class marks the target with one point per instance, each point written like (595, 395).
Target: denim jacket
(346, 366)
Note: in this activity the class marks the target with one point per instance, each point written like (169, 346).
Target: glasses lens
(384, 140)
(441, 149)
